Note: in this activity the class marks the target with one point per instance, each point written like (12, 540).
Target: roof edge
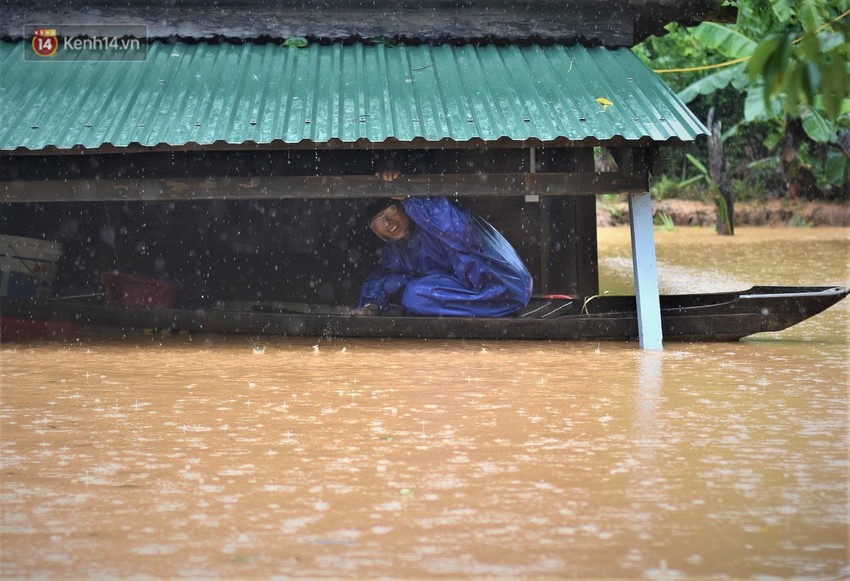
(360, 144)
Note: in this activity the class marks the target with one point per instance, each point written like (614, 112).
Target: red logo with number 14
(44, 41)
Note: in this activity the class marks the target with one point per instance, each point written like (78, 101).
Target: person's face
(391, 223)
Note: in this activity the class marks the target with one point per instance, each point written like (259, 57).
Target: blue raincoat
(452, 263)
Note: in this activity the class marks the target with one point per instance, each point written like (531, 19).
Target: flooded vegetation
(209, 456)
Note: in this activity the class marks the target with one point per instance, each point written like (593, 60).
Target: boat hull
(703, 317)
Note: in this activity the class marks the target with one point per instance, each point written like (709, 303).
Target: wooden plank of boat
(14, 329)
(698, 317)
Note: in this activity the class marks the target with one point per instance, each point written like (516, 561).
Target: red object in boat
(133, 290)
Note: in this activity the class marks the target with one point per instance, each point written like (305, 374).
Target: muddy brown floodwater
(205, 456)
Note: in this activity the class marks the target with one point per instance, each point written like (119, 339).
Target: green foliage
(722, 208)
(723, 39)
(834, 169)
(666, 188)
(675, 49)
(616, 213)
(781, 9)
(807, 63)
(798, 221)
(699, 165)
(796, 64)
(665, 221)
(757, 181)
(611, 203)
(296, 41)
(712, 83)
(800, 71)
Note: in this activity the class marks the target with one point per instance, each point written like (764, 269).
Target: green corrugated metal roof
(263, 93)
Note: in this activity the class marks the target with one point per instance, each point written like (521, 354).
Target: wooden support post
(645, 271)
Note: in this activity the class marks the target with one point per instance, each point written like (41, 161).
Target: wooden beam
(315, 187)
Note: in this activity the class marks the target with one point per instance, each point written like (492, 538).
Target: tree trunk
(788, 156)
(844, 144)
(717, 167)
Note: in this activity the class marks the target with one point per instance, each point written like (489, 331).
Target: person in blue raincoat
(440, 260)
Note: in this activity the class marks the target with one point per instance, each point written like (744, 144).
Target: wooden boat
(726, 316)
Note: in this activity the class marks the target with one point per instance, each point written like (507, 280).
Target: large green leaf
(781, 9)
(724, 40)
(830, 41)
(818, 128)
(809, 14)
(697, 164)
(771, 162)
(731, 132)
(834, 168)
(755, 107)
(761, 55)
(691, 181)
(711, 83)
(835, 85)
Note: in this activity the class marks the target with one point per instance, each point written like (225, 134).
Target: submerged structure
(232, 150)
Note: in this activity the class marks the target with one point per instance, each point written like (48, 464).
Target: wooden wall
(285, 247)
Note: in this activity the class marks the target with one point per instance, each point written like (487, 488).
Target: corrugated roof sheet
(264, 93)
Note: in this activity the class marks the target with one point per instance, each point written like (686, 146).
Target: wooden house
(236, 149)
